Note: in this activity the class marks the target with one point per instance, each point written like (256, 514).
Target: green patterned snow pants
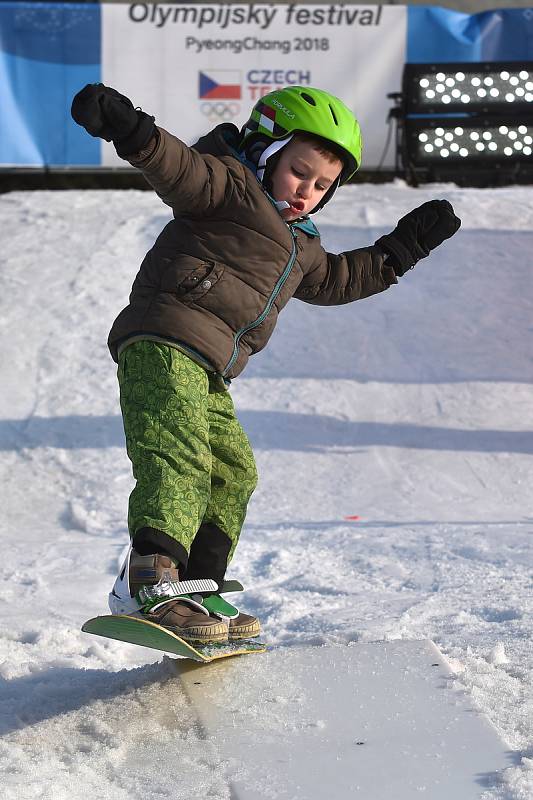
(192, 461)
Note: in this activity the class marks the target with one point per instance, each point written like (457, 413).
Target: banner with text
(195, 65)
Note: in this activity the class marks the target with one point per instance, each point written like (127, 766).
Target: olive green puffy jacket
(220, 272)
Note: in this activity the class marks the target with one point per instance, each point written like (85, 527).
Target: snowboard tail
(135, 630)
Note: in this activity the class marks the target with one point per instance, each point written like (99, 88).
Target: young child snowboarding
(205, 299)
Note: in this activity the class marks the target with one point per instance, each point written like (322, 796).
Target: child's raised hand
(106, 113)
(419, 232)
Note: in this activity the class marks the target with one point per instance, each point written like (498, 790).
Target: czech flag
(220, 84)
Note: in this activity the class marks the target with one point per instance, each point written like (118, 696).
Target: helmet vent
(333, 115)
(308, 98)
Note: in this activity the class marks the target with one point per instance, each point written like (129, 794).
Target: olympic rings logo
(218, 111)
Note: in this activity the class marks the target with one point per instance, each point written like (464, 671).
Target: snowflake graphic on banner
(51, 20)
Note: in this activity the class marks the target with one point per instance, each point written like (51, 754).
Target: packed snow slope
(411, 411)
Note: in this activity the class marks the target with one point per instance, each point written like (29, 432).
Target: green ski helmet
(283, 112)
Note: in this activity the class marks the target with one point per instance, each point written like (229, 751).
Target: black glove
(105, 113)
(416, 234)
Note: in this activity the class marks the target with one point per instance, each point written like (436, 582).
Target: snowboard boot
(183, 616)
(243, 627)
(239, 626)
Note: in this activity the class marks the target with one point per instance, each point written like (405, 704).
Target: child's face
(301, 177)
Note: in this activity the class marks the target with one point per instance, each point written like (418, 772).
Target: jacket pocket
(189, 279)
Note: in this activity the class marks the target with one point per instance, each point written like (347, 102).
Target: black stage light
(470, 123)
(493, 86)
(475, 151)
(439, 139)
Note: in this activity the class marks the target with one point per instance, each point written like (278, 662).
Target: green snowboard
(147, 634)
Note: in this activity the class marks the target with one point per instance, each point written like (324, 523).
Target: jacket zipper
(264, 314)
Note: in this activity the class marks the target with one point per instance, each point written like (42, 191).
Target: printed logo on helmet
(289, 114)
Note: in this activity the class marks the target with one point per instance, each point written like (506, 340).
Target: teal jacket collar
(307, 226)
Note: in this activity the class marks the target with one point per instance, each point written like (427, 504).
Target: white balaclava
(270, 150)
(260, 156)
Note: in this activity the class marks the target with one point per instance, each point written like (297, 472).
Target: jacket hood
(221, 141)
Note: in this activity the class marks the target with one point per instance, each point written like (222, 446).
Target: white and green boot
(149, 587)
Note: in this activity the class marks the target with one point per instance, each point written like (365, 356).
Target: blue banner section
(440, 35)
(48, 51)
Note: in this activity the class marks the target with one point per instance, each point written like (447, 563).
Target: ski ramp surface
(373, 721)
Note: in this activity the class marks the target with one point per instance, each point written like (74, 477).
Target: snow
(411, 410)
